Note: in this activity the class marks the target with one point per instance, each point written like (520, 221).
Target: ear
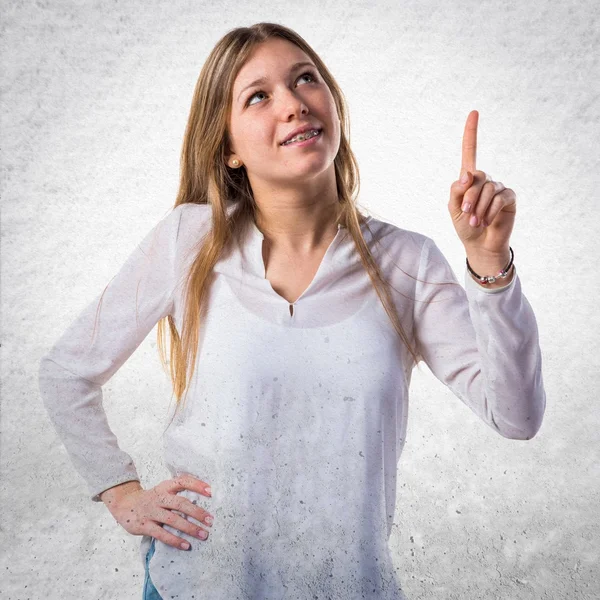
(231, 159)
(229, 156)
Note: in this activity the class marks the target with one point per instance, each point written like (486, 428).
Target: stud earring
(236, 162)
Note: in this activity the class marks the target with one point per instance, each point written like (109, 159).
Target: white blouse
(297, 421)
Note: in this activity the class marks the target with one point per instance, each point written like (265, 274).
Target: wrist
(114, 494)
(499, 283)
(497, 267)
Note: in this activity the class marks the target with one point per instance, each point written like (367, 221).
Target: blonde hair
(205, 178)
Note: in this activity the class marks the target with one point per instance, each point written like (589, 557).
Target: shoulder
(189, 221)
(414, 253)
(414, 248)
(192, 213)
(397, 240)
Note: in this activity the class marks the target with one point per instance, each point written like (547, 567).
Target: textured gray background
(95, 97)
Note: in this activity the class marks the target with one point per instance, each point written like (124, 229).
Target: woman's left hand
(493, 205)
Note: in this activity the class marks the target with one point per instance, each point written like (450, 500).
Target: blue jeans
(150, 592)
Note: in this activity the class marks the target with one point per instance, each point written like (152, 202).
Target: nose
(293, 104)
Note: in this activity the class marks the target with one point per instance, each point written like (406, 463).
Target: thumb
(458, 189)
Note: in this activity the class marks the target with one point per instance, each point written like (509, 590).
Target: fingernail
(208, 520)
(185, 545)
(208, 491)
(464, 177)
(473, 221)
(466, 207)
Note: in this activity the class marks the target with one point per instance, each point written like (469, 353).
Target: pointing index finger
(469, 142)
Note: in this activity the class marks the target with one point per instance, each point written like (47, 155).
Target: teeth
(302, 136)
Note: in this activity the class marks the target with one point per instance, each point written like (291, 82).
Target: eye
(313, 77)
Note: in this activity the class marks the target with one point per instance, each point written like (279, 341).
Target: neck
(299, 226)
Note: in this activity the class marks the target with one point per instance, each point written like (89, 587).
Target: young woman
(295, 323)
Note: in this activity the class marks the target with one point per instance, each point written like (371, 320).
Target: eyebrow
(262, 80)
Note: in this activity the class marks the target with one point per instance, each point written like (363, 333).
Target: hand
(142, 512)
(493, 205)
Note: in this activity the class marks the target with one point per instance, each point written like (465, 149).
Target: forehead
(269, 56)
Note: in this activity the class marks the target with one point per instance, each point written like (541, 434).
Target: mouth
(304, 138)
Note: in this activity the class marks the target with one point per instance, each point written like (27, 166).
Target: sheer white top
(298, 420)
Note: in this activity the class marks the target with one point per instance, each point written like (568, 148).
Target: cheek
(335, 133)
(257, 137)
(334, 119)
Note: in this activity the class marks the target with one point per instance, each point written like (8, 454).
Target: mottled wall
(95, 97)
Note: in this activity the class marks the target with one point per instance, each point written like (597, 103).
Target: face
(264, 114)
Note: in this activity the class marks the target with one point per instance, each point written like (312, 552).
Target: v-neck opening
(318, 273)
(273, 305)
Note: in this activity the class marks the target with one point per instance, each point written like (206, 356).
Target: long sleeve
(96, 345)
(482, 344)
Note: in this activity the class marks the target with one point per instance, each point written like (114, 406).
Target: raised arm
(482, 344)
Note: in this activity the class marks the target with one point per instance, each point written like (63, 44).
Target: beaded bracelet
(491, 279)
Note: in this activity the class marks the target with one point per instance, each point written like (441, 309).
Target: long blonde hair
(205, 178)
